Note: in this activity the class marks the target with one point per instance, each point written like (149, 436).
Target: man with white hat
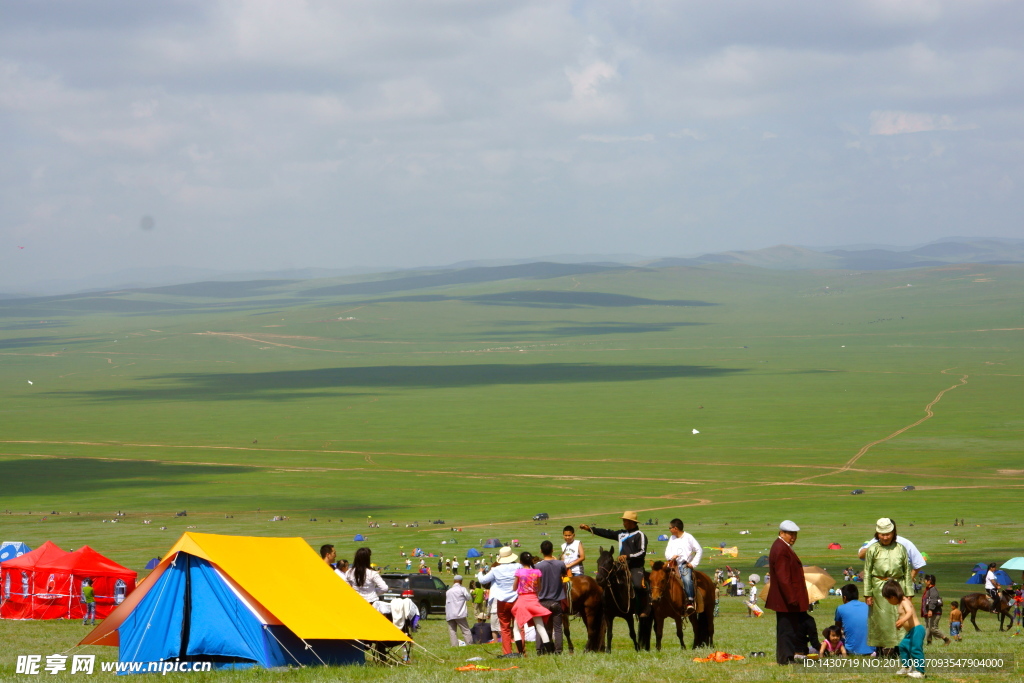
(632, 551)
(501, 577)
(787, 596)
(455, 612)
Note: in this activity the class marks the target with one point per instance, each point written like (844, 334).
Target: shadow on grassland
(584, 329)
(547, 299)
(527, 271)
(70, 476)
(86, 305)
(26, 342)
(288, 384)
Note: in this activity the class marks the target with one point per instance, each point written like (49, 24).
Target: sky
(274, 134)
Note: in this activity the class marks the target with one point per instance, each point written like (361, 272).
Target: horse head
(605, 564)
(658, 580)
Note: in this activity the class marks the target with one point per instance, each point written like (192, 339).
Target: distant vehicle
(428, 591)
(540, 517)
(908, 488)
(856, 492)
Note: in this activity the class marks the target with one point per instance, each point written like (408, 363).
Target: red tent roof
(47, 553)
(85, 560)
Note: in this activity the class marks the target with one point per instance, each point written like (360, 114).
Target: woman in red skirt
(527, 608)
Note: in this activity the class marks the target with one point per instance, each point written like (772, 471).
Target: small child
(832, 645)
(911, 648)
(955, 620)
(753, 610)
(717, 595)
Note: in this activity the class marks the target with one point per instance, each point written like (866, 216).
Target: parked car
(909, 488)
(856, 492)
(540, 517)
(428, 592)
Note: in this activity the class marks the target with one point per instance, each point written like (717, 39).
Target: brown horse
(972, 603)
(668, 602)
(585, 601)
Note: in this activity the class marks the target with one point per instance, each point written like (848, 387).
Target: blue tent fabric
(152, 564)
(980, 567)
(12, 549)
(1001, 577)
(359, 537)
(492, 543)
(663, 537)
(192, 614)
(473, 552)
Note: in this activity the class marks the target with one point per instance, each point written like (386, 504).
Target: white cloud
(617, 138)
(688, 133)
(900, 122)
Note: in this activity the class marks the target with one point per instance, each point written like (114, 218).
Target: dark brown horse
(586, 599)
(619, 597)
(972, 603)
(668, 602)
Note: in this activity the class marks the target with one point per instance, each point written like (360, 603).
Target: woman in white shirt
(364, 580)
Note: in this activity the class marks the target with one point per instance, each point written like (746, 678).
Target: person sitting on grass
(832, 643)
(911, 648)
(482, 633)
(852, 619)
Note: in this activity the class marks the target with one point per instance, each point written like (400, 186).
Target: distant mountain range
(786, 257)
(946, 251)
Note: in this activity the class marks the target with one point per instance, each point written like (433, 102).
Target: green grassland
(482, 401)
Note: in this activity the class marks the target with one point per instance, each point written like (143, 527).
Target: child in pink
(527, 607)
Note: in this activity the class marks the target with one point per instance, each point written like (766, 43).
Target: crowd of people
(886, 623)
(518, 598)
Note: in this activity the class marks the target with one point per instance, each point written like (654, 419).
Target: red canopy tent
(51, 584)
(18, 581)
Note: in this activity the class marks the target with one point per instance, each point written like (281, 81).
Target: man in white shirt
(685, 551)
(455, 612)
(992, 586)
(917, 561)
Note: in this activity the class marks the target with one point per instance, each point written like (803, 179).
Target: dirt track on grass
(928, 414)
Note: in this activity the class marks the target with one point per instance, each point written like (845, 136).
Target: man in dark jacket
(632, 551)
(787, 596)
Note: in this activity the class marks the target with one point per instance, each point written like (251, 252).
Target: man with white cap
(632, 551)
(787, 596)
(502, 577)
(455, 612)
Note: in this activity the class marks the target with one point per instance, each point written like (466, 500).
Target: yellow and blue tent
(216, 598)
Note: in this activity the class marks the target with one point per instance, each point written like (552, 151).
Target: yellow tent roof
(287, 578)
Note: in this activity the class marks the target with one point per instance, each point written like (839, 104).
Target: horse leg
(973, 613)
(632, 632)
(566, 618)
(679, 631)
(594, 620)
(659, 629)
(609, 623)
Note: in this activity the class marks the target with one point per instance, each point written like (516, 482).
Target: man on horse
(632, 551)
(684, 552)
